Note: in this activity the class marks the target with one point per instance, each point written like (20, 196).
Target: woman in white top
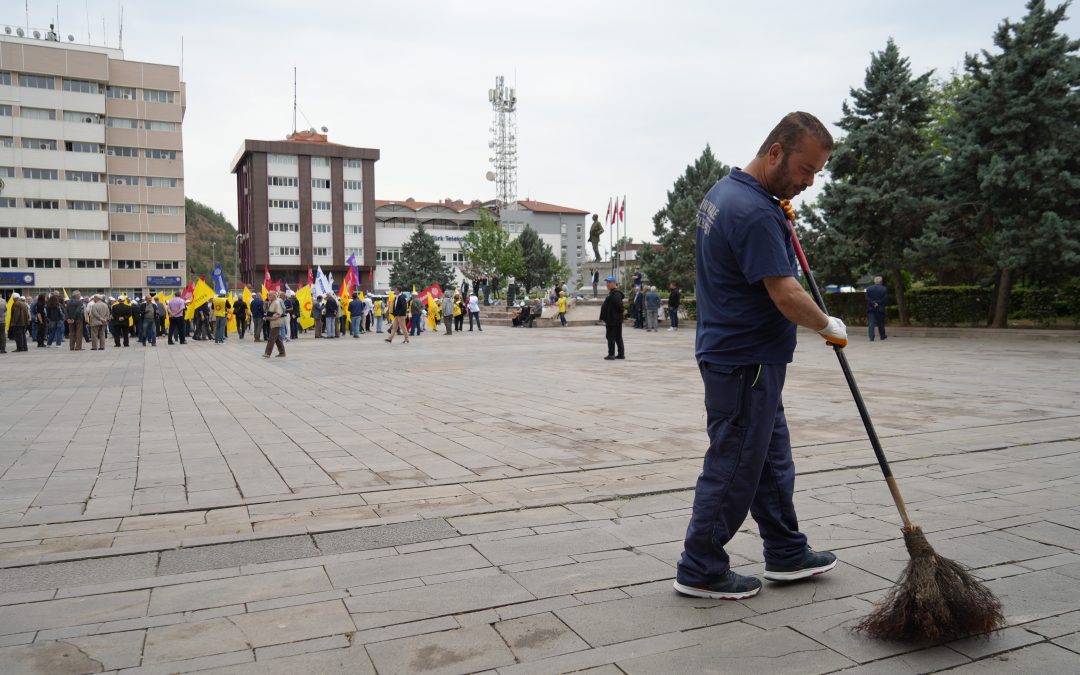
(474, 312)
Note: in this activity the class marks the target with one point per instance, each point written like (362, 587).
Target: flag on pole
(322, 285)
(219, 279)
(354, 268)
(202, 294)
(310, 280)
(303, 297)
(267, 282)
(607, 216)
(622, 210)
(346, 293)
(188, 291)
(7, 317)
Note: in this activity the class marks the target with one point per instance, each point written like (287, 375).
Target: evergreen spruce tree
(675, 225)
(421, 264)
(884, 173)
(538, 266)
(1014, 153)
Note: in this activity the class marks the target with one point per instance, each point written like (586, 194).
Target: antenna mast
(504, 142)
(294, 99)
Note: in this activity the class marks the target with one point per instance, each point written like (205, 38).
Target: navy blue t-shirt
(742, 238)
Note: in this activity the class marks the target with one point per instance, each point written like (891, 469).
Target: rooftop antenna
(121, 38)
(181, 58)
(86, 5)
(504, 142)
(294, 99)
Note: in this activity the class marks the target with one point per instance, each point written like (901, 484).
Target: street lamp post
(236, 265)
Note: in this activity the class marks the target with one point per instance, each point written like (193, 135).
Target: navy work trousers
(748, 468)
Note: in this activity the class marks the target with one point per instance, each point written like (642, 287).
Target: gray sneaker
(731, 587)
(812, 564)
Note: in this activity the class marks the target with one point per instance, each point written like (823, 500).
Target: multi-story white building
(91, 159)
(448, 222)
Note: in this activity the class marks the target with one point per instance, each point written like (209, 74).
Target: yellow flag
(230, 322)
(303, 296)
(65, 293)
(390, 306)
(7, 317)
(165, 301)
(247, 297)
(203, 293)
(264, 293)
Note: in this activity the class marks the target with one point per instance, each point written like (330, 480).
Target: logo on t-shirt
(706, 216)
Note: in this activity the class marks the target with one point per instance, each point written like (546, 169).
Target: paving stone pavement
(510, 502)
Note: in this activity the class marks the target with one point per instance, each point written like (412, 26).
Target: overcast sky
(614, 97)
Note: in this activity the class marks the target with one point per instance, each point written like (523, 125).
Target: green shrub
(688, 306)
(848, 307)
(1033, 304)
(1070, 295)
(949, 305)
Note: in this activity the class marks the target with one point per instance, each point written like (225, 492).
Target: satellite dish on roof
(324, 130)
(37, 34)
(490, 175)
(71, 38)
(19, 32)
(7, 29)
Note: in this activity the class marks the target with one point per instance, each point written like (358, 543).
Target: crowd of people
(52, 320)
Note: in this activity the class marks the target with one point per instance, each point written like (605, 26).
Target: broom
(936, 599)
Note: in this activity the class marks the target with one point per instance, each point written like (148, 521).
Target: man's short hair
(877, 280)
(793, 128)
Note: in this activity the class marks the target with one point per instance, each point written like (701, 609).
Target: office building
(91, 159)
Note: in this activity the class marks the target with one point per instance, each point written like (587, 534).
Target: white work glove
(835, 332)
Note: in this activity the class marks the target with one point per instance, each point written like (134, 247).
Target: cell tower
(504, 143)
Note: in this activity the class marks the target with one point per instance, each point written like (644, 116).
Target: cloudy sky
(614, 97)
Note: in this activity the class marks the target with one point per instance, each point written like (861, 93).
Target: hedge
(953, 305)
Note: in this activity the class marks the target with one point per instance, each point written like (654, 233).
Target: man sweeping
(749, 303)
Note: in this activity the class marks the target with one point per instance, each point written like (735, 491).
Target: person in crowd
(121, 320)
(379, 312)
(258, 313)
(401, 307)
(221, 316)
(159, 313)
(652, 309)
(416, 314)
(149, 321)
(37, 314)
(175, 309)
(356, 315)
(202, 321)
(73, 316)
(293, 306)
(19, 322)
(240, 311)
(562, 308)
(54, 318)
(317, 314)
(638, 301)
(330, 315)
(275, 317)
(3, 322)
(474, 312)
(448, 314)
(459, 312)
(99, 315)
(611, 313)
(369, 309)
(875, 307)
(673, 301)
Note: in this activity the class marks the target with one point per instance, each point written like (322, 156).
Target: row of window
(315, 227)
(84, 146)
(91, 177)
(87, 87)
(90, 235)
(318, 251)
(82, 205)
(291, 160)
(315, 205)
(88, 264)
(83, 117)
(392, 255)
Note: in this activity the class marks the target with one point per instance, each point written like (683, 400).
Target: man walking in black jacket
(611, 313)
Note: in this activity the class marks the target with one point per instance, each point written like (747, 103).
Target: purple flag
(351, 262)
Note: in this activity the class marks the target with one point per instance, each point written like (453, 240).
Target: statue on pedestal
(594, 235)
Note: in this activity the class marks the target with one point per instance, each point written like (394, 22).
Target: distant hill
(205, 226)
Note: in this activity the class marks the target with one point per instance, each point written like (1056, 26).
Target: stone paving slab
(508, 528)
